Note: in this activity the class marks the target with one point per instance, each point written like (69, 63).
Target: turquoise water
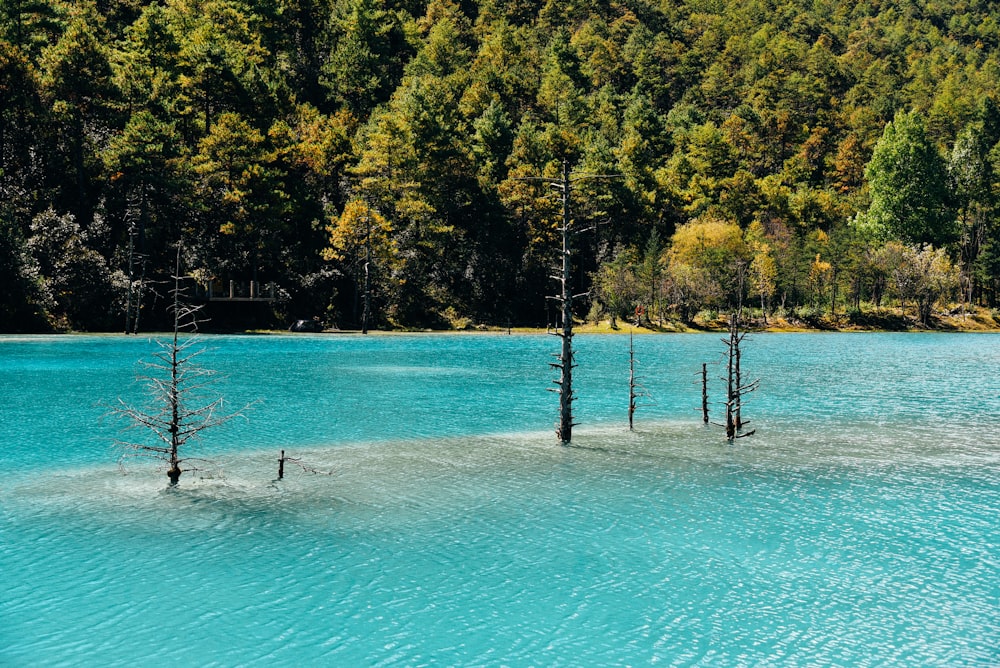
(859, 527)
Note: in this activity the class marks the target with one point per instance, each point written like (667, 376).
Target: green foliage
(368, 52)
(907, 179)
(22, 302)
(74, 278)
(75, 82)
(31, 25)
(616, 286)
(246, 127)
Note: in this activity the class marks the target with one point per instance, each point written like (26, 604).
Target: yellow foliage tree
(762, 273)
(357, 229)
(712, 248)
(820, 275)
(361, 238)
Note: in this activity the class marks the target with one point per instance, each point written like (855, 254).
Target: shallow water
(857, 527)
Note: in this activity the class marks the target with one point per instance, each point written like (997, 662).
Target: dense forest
(805, 156)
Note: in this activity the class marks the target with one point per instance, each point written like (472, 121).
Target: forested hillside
(823, 155)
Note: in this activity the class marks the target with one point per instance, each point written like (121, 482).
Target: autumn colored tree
(222, 64)
(250, 126)
(761, 272)
(922, 275)
(708, 250)
(242, 201)
(617, 286)
(362, 239)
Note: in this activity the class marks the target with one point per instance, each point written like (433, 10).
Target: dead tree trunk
(298, 462)
(174, 391)
(704, 393)
(737, 374)
(633, 390)
(136, 269)
(635, 387)
(366, 312)
(735, 389)
(732, 398)
(565, 364)
(177, 412)
(565, 298)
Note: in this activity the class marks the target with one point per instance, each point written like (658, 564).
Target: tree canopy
(801, 135)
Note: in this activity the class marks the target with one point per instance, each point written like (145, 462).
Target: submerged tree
(635, 389)
(298, 462)
(704, 393)
(565, 299)
(179, 408)
(735, 388)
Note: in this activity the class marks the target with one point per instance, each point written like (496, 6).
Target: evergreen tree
(909, 188)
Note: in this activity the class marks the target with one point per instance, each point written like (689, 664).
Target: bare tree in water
(565, 358)
(179, 406)
(635, 389)
(736, 388)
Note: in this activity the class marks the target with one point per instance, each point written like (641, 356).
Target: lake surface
(860, 526)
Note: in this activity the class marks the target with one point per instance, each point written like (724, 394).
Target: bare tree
(704, 393)
(735, 388)
(179, 407)
(635, 389)
(565, 298)
(136, 274)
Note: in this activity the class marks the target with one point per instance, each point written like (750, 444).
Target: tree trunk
(631, 382)
(565, 432)
(704, 393)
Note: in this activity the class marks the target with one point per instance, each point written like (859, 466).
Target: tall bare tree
(735, 387)
(636, 390)
(565, 299)
(179, 405)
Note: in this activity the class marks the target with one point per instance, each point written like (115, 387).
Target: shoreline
(973, 320)
(978, 320)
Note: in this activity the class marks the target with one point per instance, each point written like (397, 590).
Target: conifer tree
(909, 189)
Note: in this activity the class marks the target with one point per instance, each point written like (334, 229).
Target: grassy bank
(970, 319)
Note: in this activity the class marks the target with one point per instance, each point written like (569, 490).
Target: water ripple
(863, 540)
